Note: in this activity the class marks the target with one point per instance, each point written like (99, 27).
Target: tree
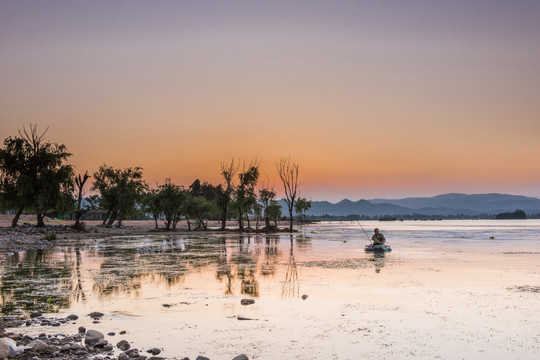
(266, 195)
(172, 200)
(120, 190)
(206, 190)
(302, 206)
(200, 208)
(245, 197)
(273, 212)
(150, 203)
(288, 173)
(224, 191)
(34, 174)
(79, 184)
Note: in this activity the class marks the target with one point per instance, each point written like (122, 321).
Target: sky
(371, 98)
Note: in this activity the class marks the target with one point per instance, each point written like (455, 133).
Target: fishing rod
(363, 230)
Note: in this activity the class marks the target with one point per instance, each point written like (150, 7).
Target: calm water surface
(188, 283)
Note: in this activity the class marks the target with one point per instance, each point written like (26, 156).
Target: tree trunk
(155, 219)
(111, 221)
(40, 222)
(240, 221)
(16, 218)
(223, 220)
(106, 217)
(290, 219)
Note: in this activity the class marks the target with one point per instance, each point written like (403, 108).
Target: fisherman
(378, 238)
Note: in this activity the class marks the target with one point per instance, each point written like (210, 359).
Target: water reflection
(53, 279)
(291, 285)
(379, 258)
(36, 282)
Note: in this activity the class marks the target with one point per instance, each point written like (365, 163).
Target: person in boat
(378, 238)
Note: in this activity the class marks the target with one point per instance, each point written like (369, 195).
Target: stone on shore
(93, 337)
(39, 346)
(4, 348)
(247, 301)
(123, 345)
(241, 357)
(95, 314)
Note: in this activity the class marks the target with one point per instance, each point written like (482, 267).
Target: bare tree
(288, 173)
(79, 183)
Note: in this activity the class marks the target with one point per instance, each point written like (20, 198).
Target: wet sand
(449, 298)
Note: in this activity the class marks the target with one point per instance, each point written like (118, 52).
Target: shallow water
(450, 289)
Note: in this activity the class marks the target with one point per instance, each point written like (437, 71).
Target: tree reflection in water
(223, 266)
(78, 291)
(37, 281)
(291, 285)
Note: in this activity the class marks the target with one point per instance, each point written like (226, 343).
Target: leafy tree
(206, 190)
(225, 191)
(200, 208)
(172, 200)
(266, 195)
(34, 174)
(288, 173)
(120, 190)
(302, 206)
(245, 197)
(150, 203)
(273, 212)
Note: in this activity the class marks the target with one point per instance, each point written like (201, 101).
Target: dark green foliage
(301, 206)
(516, 215)
(245, 197)
(206, 190)
(120, 191)
(34, 175)
(273, 211)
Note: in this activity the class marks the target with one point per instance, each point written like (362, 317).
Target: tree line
(35, 177)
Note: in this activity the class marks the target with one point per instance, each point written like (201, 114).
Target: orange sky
(372, 99)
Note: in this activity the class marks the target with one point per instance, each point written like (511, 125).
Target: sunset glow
(372, 99)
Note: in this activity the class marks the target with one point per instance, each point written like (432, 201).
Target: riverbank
(27, 236)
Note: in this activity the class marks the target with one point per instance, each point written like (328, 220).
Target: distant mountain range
(443, 205)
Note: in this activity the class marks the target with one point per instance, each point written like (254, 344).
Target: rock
(304, 297)
(95, 314)
(39, 346)
(123, 345)
(108, 347)
(123, 356)
(160, 358)
(101, 343)
(4, 348)
(241, 357)
(202, 358)
(112, 333)
(132, 353)
(123, 332)
(93, 337)
(34, 315)
(82, 329)
(247, 301)
(154, 351)
(72, 317)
